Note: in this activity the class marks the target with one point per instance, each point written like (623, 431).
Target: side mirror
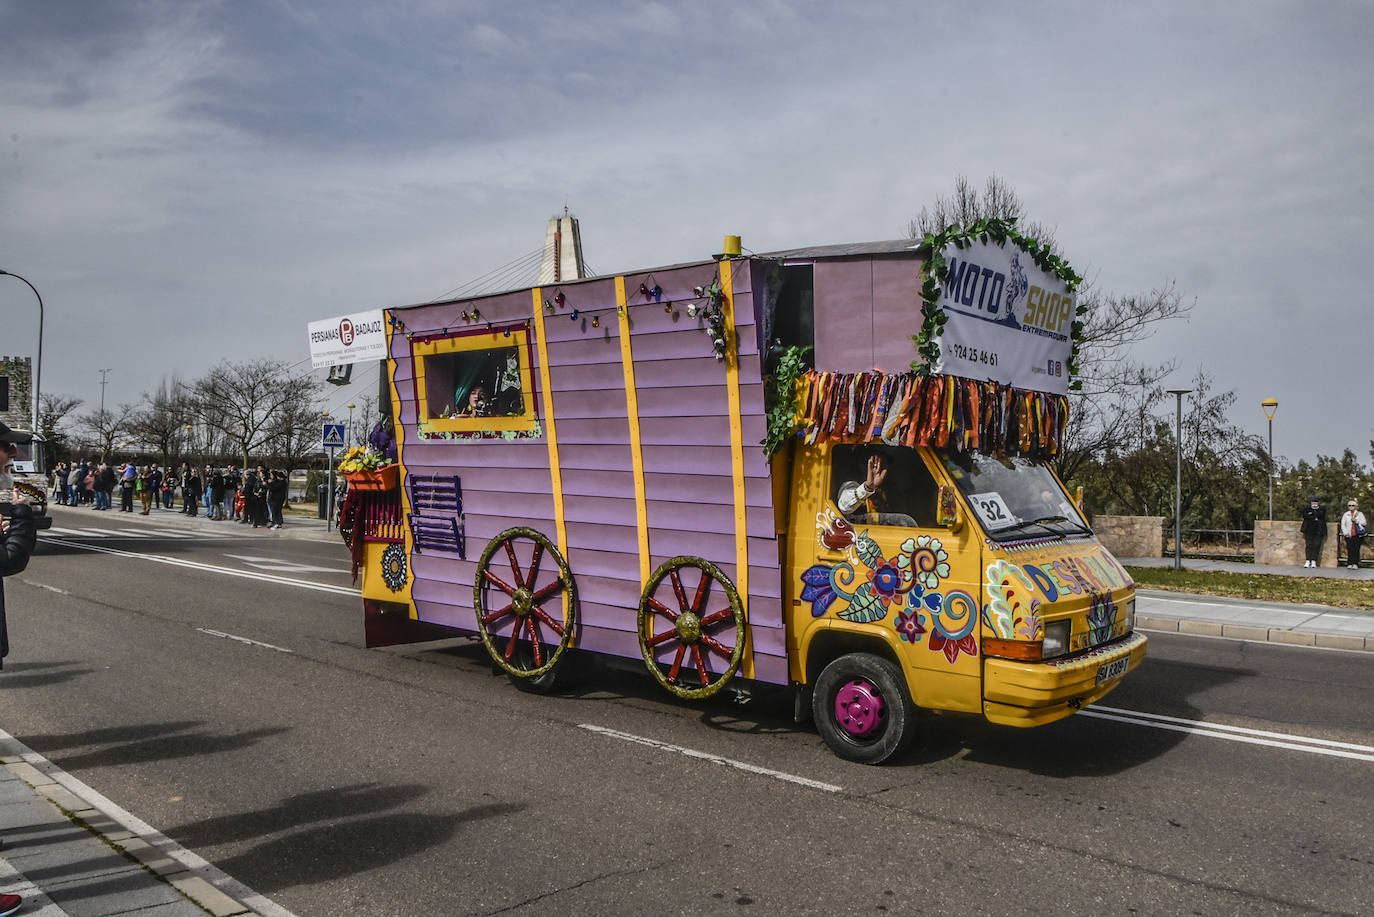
(1078, 499)
(947, 512)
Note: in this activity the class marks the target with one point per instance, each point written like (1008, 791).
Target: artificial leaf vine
(781, 395)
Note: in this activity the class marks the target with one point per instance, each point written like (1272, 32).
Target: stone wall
(1131, 536)
(1281, 543)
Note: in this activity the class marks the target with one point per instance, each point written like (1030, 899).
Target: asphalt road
(1223, 777)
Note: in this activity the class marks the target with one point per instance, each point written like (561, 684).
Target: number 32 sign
(992, 509)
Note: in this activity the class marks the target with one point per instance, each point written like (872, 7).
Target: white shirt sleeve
(852, 496)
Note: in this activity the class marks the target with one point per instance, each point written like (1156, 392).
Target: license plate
(1114, 669)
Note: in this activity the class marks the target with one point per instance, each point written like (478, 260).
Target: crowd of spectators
(256, 498)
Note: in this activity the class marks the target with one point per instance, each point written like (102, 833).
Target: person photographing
(17, 538)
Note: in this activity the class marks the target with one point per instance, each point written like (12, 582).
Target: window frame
(494, 338)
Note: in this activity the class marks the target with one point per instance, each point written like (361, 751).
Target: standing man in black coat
(1314, 531)
(17, 538)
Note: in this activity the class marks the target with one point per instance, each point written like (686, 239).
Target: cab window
(905, 494)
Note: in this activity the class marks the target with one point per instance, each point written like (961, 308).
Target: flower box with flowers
(366, 470)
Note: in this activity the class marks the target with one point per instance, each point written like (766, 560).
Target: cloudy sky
(192, 181)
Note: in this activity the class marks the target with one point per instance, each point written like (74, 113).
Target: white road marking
(210, 568)
(220, 633)
(283, 566)
(150, 835)
(714, 759)
(46, 586)
(1234, 733)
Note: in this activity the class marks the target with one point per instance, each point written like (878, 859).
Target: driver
(865, 502)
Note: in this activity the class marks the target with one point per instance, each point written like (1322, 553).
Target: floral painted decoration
(395, 569)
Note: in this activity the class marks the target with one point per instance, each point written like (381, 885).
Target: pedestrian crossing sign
(333, 435)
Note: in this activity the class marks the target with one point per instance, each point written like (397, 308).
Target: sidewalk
(297, 525)
(69, 851)
(1245, 619)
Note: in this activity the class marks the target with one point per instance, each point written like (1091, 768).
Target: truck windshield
(1014, 497)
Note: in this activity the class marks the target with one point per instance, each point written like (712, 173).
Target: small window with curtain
(478, 381)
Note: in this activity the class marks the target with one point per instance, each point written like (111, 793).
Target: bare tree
(244, 401)
(53, 409)
(159, 424)
(104, 428)
(292, 436)
(966, 206)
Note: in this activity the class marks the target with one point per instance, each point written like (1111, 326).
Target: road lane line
(220, 633)
(196, 565)
(1206, 731)
(1286, 736)
(714, 759)
(30, 582)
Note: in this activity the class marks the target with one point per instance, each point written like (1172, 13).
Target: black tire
(882, 721)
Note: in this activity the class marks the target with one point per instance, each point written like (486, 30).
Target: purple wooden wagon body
(634, 442)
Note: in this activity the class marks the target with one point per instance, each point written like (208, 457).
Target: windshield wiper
(1043, 522)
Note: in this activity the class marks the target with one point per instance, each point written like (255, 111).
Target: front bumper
(1035, 693)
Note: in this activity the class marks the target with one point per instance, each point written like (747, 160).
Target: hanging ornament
(548, 307)
(574, 315)
(560, 298)
(668, 307)
(466, 316)
(596, 321)
(477, 315)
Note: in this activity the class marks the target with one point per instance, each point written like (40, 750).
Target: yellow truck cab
(963, 583)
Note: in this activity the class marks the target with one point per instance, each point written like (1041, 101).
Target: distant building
(19, 372)
(562, 251)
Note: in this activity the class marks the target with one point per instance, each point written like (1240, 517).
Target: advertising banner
(1009, 322)
(347, 339)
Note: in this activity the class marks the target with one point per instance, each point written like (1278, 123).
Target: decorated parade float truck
(822, 469)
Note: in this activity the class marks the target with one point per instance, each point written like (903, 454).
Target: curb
(1282, 635)
(194, 878)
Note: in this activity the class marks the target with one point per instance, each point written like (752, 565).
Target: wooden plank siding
(684, 427)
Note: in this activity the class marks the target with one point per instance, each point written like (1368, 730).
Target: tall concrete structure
(562, 251)
(19, 371)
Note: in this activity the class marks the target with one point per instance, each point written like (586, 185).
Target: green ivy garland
(781, 395)
(934, 271)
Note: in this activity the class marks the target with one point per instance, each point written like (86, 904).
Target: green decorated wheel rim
(513, 603)
(700, 643)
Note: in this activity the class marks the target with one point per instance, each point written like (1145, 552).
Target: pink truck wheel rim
(859, 708)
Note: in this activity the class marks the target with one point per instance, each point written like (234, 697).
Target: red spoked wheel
(701, 643)
(525, 601)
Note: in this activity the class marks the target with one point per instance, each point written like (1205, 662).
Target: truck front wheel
(863, 709)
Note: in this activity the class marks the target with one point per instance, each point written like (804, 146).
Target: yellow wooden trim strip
(550, 429)
(388, 366)
(727, 285)
(627, 363)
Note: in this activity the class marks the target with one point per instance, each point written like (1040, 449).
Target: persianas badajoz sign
(1009, 321)
(348, 339)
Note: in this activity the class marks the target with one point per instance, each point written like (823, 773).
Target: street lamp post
(349, 437)
(38, 361)
(1178, 394)
(1270, 407)
(329, 501)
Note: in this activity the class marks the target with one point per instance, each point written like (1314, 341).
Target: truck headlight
(1130, 615)
(1056, 642)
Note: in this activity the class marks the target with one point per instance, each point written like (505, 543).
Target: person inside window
(477, 404)
(866, 502)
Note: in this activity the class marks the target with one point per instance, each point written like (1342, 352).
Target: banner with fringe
(906, 409)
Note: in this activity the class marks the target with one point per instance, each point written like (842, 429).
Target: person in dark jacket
(17, 538)
(190, 489)
(1314, 531)
(104, 486)
(276, 499)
